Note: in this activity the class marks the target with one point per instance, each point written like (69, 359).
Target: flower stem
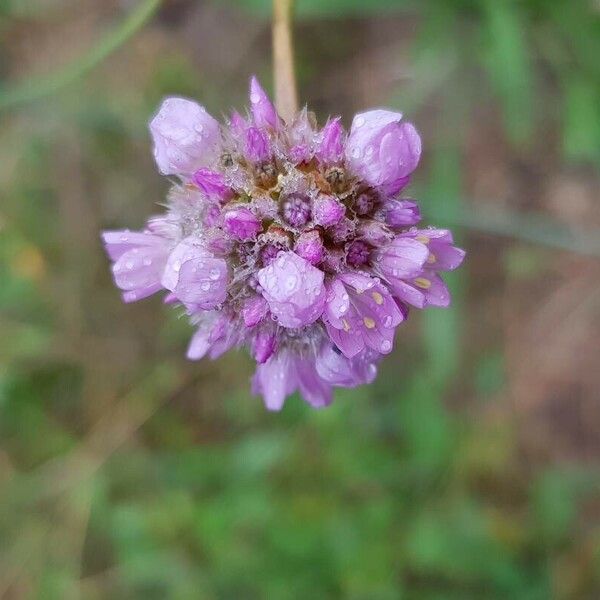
(286, 98)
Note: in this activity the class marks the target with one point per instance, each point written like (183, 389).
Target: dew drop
(214, 274)
(386, 346)
(359, 121)
(290, 282)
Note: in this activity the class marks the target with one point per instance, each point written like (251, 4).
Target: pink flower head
(185, 137)
(288, 239)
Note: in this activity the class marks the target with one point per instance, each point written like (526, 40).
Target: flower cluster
(292, 240)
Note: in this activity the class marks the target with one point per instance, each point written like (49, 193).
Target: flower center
(363, 204)
(358, 254)
(269, 253)
(296, 210)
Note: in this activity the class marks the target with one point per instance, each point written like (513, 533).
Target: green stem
(40, 87)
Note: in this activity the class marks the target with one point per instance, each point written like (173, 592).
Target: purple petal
(400, 151)
(257, 147)
(254, 310)
(212, 184)
(116, 243)
(382, 150)
(263, 346)
(199, 345)
(337, 302)
(185, 137)
(317, 392)
(275, 380)
(197, 278)
(202, 283)
(370, 320)
(401, 259)
(443, 255)
(374, 232)
(224, 335)
(349, 343)
(309, 246)
(401, 213)
(140, 259)
(294, 290)
(262, 108)
(406, 292)
(237, 123)
(337, 369)
(327, 210)
(331, 142)
(434, 289)
(242, 223)
(359, 281)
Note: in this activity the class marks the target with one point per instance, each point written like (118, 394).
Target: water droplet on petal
(290, 282)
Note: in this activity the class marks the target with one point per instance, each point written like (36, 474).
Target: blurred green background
(470, 469)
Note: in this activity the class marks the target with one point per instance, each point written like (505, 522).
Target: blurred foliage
(126, 473)
(500, 38)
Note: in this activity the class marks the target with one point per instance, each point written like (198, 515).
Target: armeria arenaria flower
(291, 240)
